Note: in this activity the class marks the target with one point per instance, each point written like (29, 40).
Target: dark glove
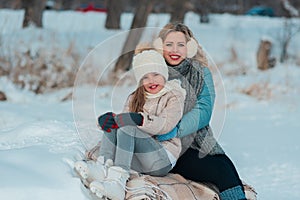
(129, 119)
(107, 121)
(167, 136)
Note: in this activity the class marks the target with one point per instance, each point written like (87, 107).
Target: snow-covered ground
(256, 118)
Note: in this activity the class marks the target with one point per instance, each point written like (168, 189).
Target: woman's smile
(174, 56)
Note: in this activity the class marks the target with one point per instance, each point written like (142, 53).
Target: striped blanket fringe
(170, 187)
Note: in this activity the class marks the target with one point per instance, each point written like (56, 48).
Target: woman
(202, 158)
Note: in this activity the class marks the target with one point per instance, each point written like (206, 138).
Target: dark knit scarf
(191, 75)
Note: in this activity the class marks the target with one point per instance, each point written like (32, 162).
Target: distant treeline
(162, 6)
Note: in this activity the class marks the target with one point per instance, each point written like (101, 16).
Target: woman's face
(174, 48)
(153, 82)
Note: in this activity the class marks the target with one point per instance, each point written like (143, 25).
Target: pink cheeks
(153, 82)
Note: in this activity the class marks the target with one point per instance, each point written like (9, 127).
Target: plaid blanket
(170, 187)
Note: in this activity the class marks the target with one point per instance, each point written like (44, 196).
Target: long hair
(138, 99)
(179, 27)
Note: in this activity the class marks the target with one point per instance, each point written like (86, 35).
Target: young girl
(136, 138)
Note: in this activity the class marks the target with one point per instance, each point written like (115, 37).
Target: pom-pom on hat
(149, 61)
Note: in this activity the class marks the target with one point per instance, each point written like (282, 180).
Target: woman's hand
(167, 136)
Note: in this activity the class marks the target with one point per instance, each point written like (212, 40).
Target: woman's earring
(158, 44)
(192, 48)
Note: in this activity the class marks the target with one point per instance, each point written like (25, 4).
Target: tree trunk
(289, 8)
(2, 96)
(113, 17)
(33, 12)
(283, 54)
(264, 60)
(134, 36)
(179, 8)
(16, 4)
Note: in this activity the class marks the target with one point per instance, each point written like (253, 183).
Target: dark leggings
(216, 169)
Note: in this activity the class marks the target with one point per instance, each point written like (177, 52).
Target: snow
(255, 117)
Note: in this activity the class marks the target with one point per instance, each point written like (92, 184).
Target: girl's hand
(129, 119)
(107, 121)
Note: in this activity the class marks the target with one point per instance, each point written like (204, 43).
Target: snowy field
(256, 119)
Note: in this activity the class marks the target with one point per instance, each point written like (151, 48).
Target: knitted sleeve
(200, 115)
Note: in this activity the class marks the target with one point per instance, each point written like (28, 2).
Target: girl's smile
(153, 82)
(174, 56)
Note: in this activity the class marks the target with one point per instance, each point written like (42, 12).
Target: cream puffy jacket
(162, 114)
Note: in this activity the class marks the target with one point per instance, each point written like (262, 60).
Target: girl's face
(153, 82)
(174, 48)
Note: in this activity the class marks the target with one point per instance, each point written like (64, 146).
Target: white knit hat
(149, 61)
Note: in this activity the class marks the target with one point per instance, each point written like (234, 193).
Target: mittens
(107, 121)
(129, 119)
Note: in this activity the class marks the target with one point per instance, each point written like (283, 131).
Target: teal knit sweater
(200, 115)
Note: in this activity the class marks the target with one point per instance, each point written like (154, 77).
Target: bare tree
(7, 4)
(16, 4)
(179, 8)
(69, 5)
(203, 8)
(288, 32)
(140, 19)
(33, 12)
(289, 29)
(289, 8)
(113, 17)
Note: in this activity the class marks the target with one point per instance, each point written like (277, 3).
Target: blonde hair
(143, 47)
(179, 27)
